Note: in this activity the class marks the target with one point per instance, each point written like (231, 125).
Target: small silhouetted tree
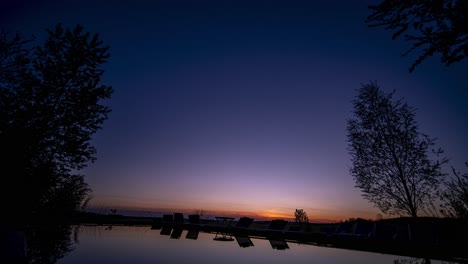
(455, 196)
(435, 26)
(301, 216)
(390, 156)
(50, 106)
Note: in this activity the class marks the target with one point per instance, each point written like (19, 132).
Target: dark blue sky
(242, 105)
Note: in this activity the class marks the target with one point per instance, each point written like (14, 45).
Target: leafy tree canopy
(390, 157)
(50, 106)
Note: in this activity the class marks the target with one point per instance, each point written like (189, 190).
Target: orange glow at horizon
(256, 212)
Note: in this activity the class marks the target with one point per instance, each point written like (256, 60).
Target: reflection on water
(127, 244)
(49, 244)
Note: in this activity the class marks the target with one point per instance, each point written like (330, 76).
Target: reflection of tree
(48, 244)
(412, 261)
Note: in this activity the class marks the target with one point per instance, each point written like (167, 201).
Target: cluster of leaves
(436, 26)
(49, 109)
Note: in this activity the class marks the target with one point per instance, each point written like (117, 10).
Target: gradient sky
(241, 106)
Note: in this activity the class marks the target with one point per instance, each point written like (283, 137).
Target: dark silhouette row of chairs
(194, 219)
(173, 225)
(178, 219)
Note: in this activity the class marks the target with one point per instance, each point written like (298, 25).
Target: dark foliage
(390, 157)
(49, 109)
(48, 244)
(301, 216)
(455, 196)
(435, 26)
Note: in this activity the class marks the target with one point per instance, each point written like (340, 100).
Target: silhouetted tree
(390, 158)
(49, 109)
(436, 26)
(455, 196)
(301, 216)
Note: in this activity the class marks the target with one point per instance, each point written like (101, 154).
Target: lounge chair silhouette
(168, 219)
(244, 222)
(178, 218)
(194, 219)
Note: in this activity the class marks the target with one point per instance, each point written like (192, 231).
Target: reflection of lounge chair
(166, 230)
(192, 234)
(244, 241)
(177, 232)
(278, 244)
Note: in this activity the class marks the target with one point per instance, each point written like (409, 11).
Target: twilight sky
(241, 106)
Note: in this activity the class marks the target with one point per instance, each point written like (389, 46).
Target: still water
(127, 244)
